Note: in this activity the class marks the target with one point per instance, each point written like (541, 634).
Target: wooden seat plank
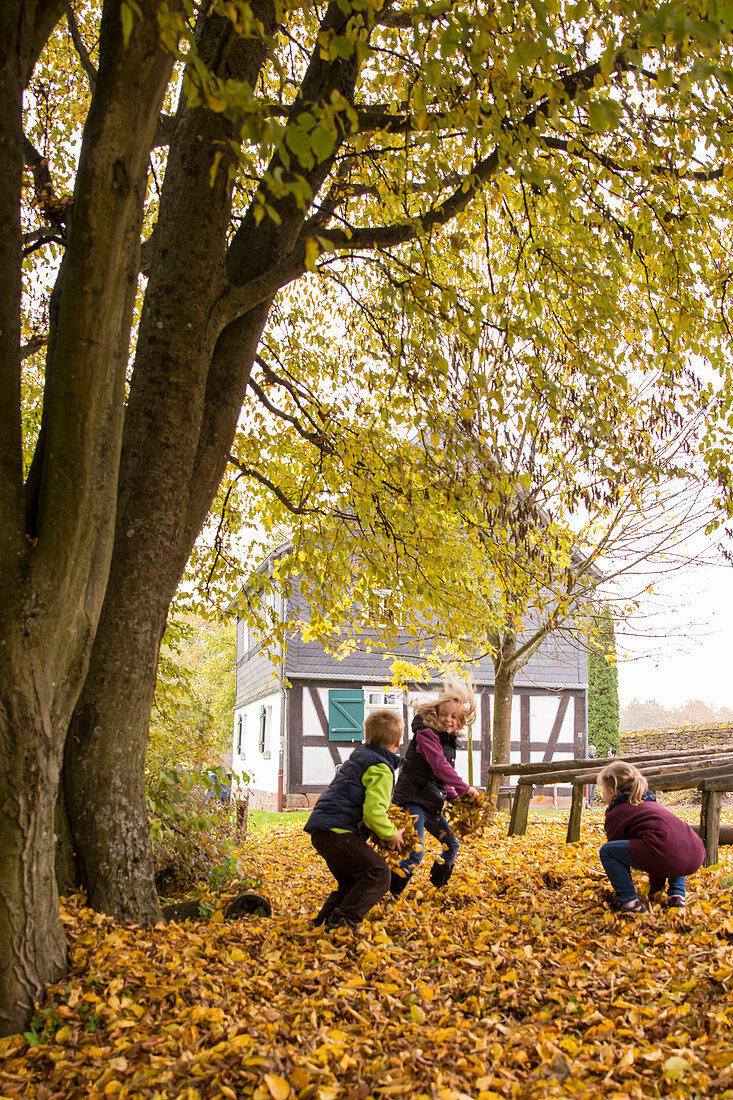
(540, 766)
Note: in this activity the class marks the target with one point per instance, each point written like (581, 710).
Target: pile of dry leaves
(514, 981)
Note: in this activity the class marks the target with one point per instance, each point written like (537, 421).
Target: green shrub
(192, 829)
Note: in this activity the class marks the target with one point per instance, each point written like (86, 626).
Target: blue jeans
(437, 826)
(616, 859)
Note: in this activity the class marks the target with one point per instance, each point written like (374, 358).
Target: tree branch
(53, 206)
(313, 437)
(76, 38)
(587, 154)
(295, 509)
(34, 344)
(47, 14)
(390, 235)
(164, 130)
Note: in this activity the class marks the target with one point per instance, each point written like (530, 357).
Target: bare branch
(32, 242)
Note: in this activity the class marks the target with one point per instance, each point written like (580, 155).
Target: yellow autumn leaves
(515, 981)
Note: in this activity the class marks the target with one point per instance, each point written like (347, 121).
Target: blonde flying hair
(455, 691)
(623, 778)
(383, 728)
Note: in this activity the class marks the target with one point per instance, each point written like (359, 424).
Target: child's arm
(378, 781)
(428, 745)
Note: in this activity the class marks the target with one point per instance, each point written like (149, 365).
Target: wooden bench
(709, 770)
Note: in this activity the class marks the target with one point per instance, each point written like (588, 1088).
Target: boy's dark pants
(362, 876)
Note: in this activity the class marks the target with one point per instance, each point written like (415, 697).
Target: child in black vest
(428, 777)
(359, 795)
(644, 835)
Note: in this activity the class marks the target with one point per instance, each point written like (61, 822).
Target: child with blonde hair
(646, 836)
(428, 777)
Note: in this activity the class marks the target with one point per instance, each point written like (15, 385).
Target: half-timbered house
(298, 717)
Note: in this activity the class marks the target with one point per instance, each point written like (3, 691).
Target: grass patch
(260, 821)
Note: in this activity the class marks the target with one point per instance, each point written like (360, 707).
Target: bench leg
(576, 813)
(520, 809)
(710, 824)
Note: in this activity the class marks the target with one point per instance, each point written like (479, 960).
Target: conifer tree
(603, 708)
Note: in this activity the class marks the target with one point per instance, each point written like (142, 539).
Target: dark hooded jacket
(659, 842)
(341, 806)
(418, 784)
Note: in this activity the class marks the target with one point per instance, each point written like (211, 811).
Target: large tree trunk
(32, 943)
(196, 345)
(56, 531)
(187, 389)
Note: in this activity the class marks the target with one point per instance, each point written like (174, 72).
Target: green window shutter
(346, 714)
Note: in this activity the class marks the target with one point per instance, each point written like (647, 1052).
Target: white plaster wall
(462, 766)
(311, 723)
(318, 767)
(515, 755)
(261, 768)
(542, 714)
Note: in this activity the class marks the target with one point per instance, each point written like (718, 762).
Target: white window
(381, 698)
(385, 605)
(243, 637)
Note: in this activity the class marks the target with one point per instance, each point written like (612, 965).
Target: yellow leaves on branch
(515, 981)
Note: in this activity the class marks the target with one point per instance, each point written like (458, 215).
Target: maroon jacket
(659, 842)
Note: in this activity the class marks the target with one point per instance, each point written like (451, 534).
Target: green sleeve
(378, 781)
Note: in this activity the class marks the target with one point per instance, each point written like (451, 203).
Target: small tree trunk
(501, 735)
(242, 819)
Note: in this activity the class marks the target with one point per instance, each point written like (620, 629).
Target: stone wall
(677, 739)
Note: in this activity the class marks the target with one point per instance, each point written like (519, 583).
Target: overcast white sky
(689, 652)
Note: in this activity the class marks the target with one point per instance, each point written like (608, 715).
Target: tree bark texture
(32, 942)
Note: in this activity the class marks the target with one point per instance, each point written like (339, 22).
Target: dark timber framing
(298, 740)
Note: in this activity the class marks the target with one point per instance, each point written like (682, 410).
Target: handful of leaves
(411, 842)
(468, 816)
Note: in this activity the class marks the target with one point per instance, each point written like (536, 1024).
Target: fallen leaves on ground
(514, 981)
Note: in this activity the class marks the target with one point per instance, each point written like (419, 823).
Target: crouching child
(356, 802)
(644, 835)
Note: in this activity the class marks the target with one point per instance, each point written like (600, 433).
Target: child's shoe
(634, 908)
(677, 901)
(337, 921)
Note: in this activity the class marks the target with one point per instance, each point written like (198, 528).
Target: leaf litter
(516, 980)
